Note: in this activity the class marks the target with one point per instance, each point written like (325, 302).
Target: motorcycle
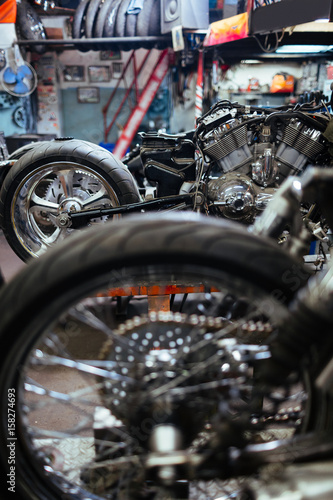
(171, 356)
(230, 167)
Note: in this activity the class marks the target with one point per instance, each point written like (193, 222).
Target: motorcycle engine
(251, 155)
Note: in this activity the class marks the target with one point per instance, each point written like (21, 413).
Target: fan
(17, 77)
(19, 81)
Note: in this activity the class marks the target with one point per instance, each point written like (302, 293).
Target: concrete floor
(10, 263)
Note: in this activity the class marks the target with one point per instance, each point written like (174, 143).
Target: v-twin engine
(250, 154)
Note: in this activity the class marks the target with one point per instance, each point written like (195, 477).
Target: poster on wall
(73, 73)
(99, 74)
(49, 108)
(88, 95)
(110, 55)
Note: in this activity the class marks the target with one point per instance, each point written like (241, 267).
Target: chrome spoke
(100, 197)
(47, 240)
(66, 181)
(46, 360)
(43, 204)
(61, 186)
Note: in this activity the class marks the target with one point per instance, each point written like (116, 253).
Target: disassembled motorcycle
(230, 166)
(171, 356)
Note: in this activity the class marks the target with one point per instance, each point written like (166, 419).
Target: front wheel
(131, 373)
(54, 177)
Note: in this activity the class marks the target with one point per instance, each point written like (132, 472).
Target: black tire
(131, 20)
(111, 19)
(101, 15)
(79, 19)
(29, 25)
(91, 17)
(15, 155)
(86, 171)
(79, 24)
(142, 25)
(121, 19)
(69, 318)
(155, 19)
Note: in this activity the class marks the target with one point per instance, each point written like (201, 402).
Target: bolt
(167, 474)
(63, 219)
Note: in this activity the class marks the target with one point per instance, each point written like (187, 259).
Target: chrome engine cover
(235, 196)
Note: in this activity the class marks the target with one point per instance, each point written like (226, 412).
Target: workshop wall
(74, 87)
(85, 120)
(12, 114)
(237, 78)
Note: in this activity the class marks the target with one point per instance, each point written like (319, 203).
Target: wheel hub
(70, 205)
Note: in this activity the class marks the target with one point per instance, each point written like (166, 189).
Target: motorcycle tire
(101, 15)
(131, 20)
(15, 155)
(29, 25)
(91, 17)
(142, 25)
(79, 19)
(111, 18)
(155, 19)
(45, 177)
(79, 25)
(77, 351)
(121, 19)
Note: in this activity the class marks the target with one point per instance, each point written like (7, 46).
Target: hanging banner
(227, 30)
(8, 11)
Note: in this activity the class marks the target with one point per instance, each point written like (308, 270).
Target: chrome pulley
(234, 196)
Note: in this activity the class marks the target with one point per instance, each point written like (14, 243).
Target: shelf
(259, 94)
(127, 43)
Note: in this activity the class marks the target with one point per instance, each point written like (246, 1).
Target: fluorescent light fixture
(303, 49)
(250, 61)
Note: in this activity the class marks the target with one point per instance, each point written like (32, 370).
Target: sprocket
(178, 367)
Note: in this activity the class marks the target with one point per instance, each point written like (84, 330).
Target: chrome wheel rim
(49, 191)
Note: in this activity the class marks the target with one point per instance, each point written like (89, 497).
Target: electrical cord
(267, 46)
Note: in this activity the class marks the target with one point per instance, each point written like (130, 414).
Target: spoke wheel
(134, 371)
